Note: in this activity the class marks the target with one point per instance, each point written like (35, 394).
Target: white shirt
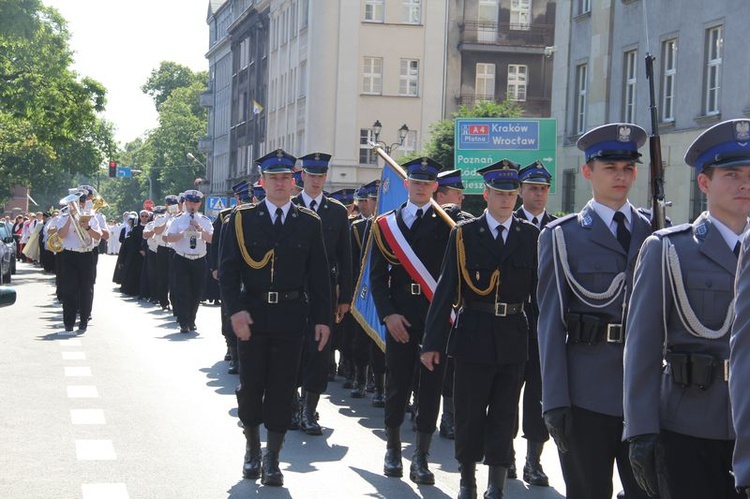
(272, 210)
(152, 242)
(71, 241)
(728, 234)
(494, 224)
(307, 199)
(182, 224)
(409, 213)
(530, 216)
(607, 214)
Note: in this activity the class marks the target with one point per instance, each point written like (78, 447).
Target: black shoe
(228, 355)
(419, 473)
(392, 465)
(358, 392)
(447, 427)
(271, 475)
(233, 368)
(82, 327)
(512, 473)
(468, 484)
(378, 400)
(193, 328)
(252, 464)
(307, 422)
(533, 474)
(184, 329)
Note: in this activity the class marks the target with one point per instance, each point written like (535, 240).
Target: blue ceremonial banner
(391, 195)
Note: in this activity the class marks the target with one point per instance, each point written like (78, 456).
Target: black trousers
(189, 282)
(401, 360)
(164, 256)
(314, 366)
(76, 285)
(533, 425)
(485, 410)
(377, 358)
(268, 379)
(360, 342)
(151, 264)
(694, 468)
(595, 445)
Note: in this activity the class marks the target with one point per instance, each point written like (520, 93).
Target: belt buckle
(273, 297)
(614, 333)
(501, 309)
(726, 370)
(416, 288)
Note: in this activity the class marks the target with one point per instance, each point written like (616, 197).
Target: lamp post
(201, 183)
(377, 127)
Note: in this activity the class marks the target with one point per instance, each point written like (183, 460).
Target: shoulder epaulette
(336, 201)
(562, 220)
(668, 231)
(308, 211)
(244, 207)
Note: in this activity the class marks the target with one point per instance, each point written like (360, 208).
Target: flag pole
(397, 168)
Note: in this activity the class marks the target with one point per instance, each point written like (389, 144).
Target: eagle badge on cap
(506, 164)
(279, 153)
(742, 131)
(623, 133)
(424, 164)
(317, 156)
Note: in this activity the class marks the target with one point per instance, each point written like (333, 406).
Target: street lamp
(377, 127)
(200, 183)
(193, 158)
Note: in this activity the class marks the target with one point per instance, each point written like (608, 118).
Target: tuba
(77, 217)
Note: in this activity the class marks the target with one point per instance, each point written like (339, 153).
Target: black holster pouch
(585, 328)
(692, 369)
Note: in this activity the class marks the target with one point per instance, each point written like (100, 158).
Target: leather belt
(590, 329)
(79, 250)
(413, 288)
(697, 369)
(273, 297)
(496, 309)
(189, 256)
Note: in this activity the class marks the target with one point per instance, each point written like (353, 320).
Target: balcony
(207, 99)
(206, 144)
(477, 35)
(534, 107)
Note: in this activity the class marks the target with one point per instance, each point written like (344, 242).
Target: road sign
(123, 172)
(482, 141)
(216, 203)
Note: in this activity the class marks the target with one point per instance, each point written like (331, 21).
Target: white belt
(189, 256)
(79, 250)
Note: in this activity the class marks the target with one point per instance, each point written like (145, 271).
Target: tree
(168, 77)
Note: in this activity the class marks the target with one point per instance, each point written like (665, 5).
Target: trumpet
(77, 217)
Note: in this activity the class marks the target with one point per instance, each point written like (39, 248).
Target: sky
(119, 42)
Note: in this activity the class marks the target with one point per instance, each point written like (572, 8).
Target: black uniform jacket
(215, 247)
(295, 256)
(335, 220)
(479, 336)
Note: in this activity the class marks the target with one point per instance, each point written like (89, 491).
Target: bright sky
(119, 43)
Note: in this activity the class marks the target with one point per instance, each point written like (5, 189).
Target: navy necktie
(279, 214)
(623, 234)
(417, 220)
(535, 221)
(737, 249)
(313, 204)
(500, 240)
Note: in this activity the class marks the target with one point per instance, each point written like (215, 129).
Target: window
(487, 15)
(293, 19)
(412, 11)
(366, 155)
(580, 99)
(303, 13)
(374, 11)
(484, 83)
(372, 76)
(669, 69)
(569, 190)
(292, 80)
(584, 6)
(517, 82)
(520, 14)
(629, 90)
(410, 142)
(302, 79)
(409, 77)
(714, 42)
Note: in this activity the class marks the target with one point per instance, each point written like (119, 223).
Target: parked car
(7, 253)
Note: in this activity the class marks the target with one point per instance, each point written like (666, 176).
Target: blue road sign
(216, 203)
(123, 172)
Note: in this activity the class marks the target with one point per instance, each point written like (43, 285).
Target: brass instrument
(54, 243)
(77, 217)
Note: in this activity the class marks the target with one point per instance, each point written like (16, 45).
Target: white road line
(77, 371)
(73, 342)
(87, 416)
(73, 355)
(82, 392)
(95, 450)
(104, 491)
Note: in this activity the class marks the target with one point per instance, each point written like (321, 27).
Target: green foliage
(168, 77)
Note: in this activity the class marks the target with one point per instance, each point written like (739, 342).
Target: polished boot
(419, 472)
(228, 355)
(271, 474)
(378, 400)
(392, 465)
(348, 372)
(468, 485)
(294, 423)
(533, 473)
(307, 422)
(495, 482)
(370, 381)
(447, 422)
(360, 382)
(512, 472)
(234, 361)
(251, 468)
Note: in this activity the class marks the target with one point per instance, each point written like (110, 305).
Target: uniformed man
(77, 265)
(275, 278)
(535, 183)
(586, 263)
(189, 234)
(151, 262)
(410, 237)
(489, 340)
(677, 411)
(450, 188)
(164, 253)
(90, 191)
(299, 184)
(333, 215)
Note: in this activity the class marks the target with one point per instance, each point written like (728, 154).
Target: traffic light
(112, 169)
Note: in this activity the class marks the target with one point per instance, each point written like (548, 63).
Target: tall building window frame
(374, 11)
(484, 81)
(584, 7)
(408, 84)
(520, 15)
(569, 190)
(411, 11)
(669, 76)
(518, 77)
(712, 76)
(581, 88)
(372, 75)
(630, 79)
(367, 155)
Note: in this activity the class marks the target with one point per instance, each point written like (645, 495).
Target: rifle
(656, 178)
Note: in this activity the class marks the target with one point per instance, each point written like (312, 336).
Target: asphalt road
(134, 409)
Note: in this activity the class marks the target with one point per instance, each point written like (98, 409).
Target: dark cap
(360, 193)
(277, 161)
(501, 176)
(535, 173)
(344, 196)
(424, 169)
(297, 176)
(373, 188)
(315, 163)
(171, 199)
(723, 145)
(614, 141)
(451, 179)
(240, 186)
(258, 191)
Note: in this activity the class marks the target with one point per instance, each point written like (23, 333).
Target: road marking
(95, 450)
(71, 343)
(82, 392)
(87, 416)
(104, 491)
(73, 355)
(77, 371)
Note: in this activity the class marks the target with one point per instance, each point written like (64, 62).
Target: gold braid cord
(253, 264)
(387, 254)
(357, 237)
(464, 272)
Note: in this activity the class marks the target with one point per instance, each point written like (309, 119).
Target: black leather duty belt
(496, 309)
(413, 288)
(697, 369)
(591, 329)
(274, 297)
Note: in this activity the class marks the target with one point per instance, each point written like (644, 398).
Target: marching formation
(628, 343)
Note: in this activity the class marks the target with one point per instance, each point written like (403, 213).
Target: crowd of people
(618, 336)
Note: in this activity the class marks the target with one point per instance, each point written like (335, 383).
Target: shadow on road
(252, 488)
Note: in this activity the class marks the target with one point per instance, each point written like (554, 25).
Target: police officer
(77, 265)
(274, 278)
(586, 263)
(489, 340)
(450, 188)
(677, 418)
(334, 218)
(401, 304)
(535, 183)
(189, 234)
